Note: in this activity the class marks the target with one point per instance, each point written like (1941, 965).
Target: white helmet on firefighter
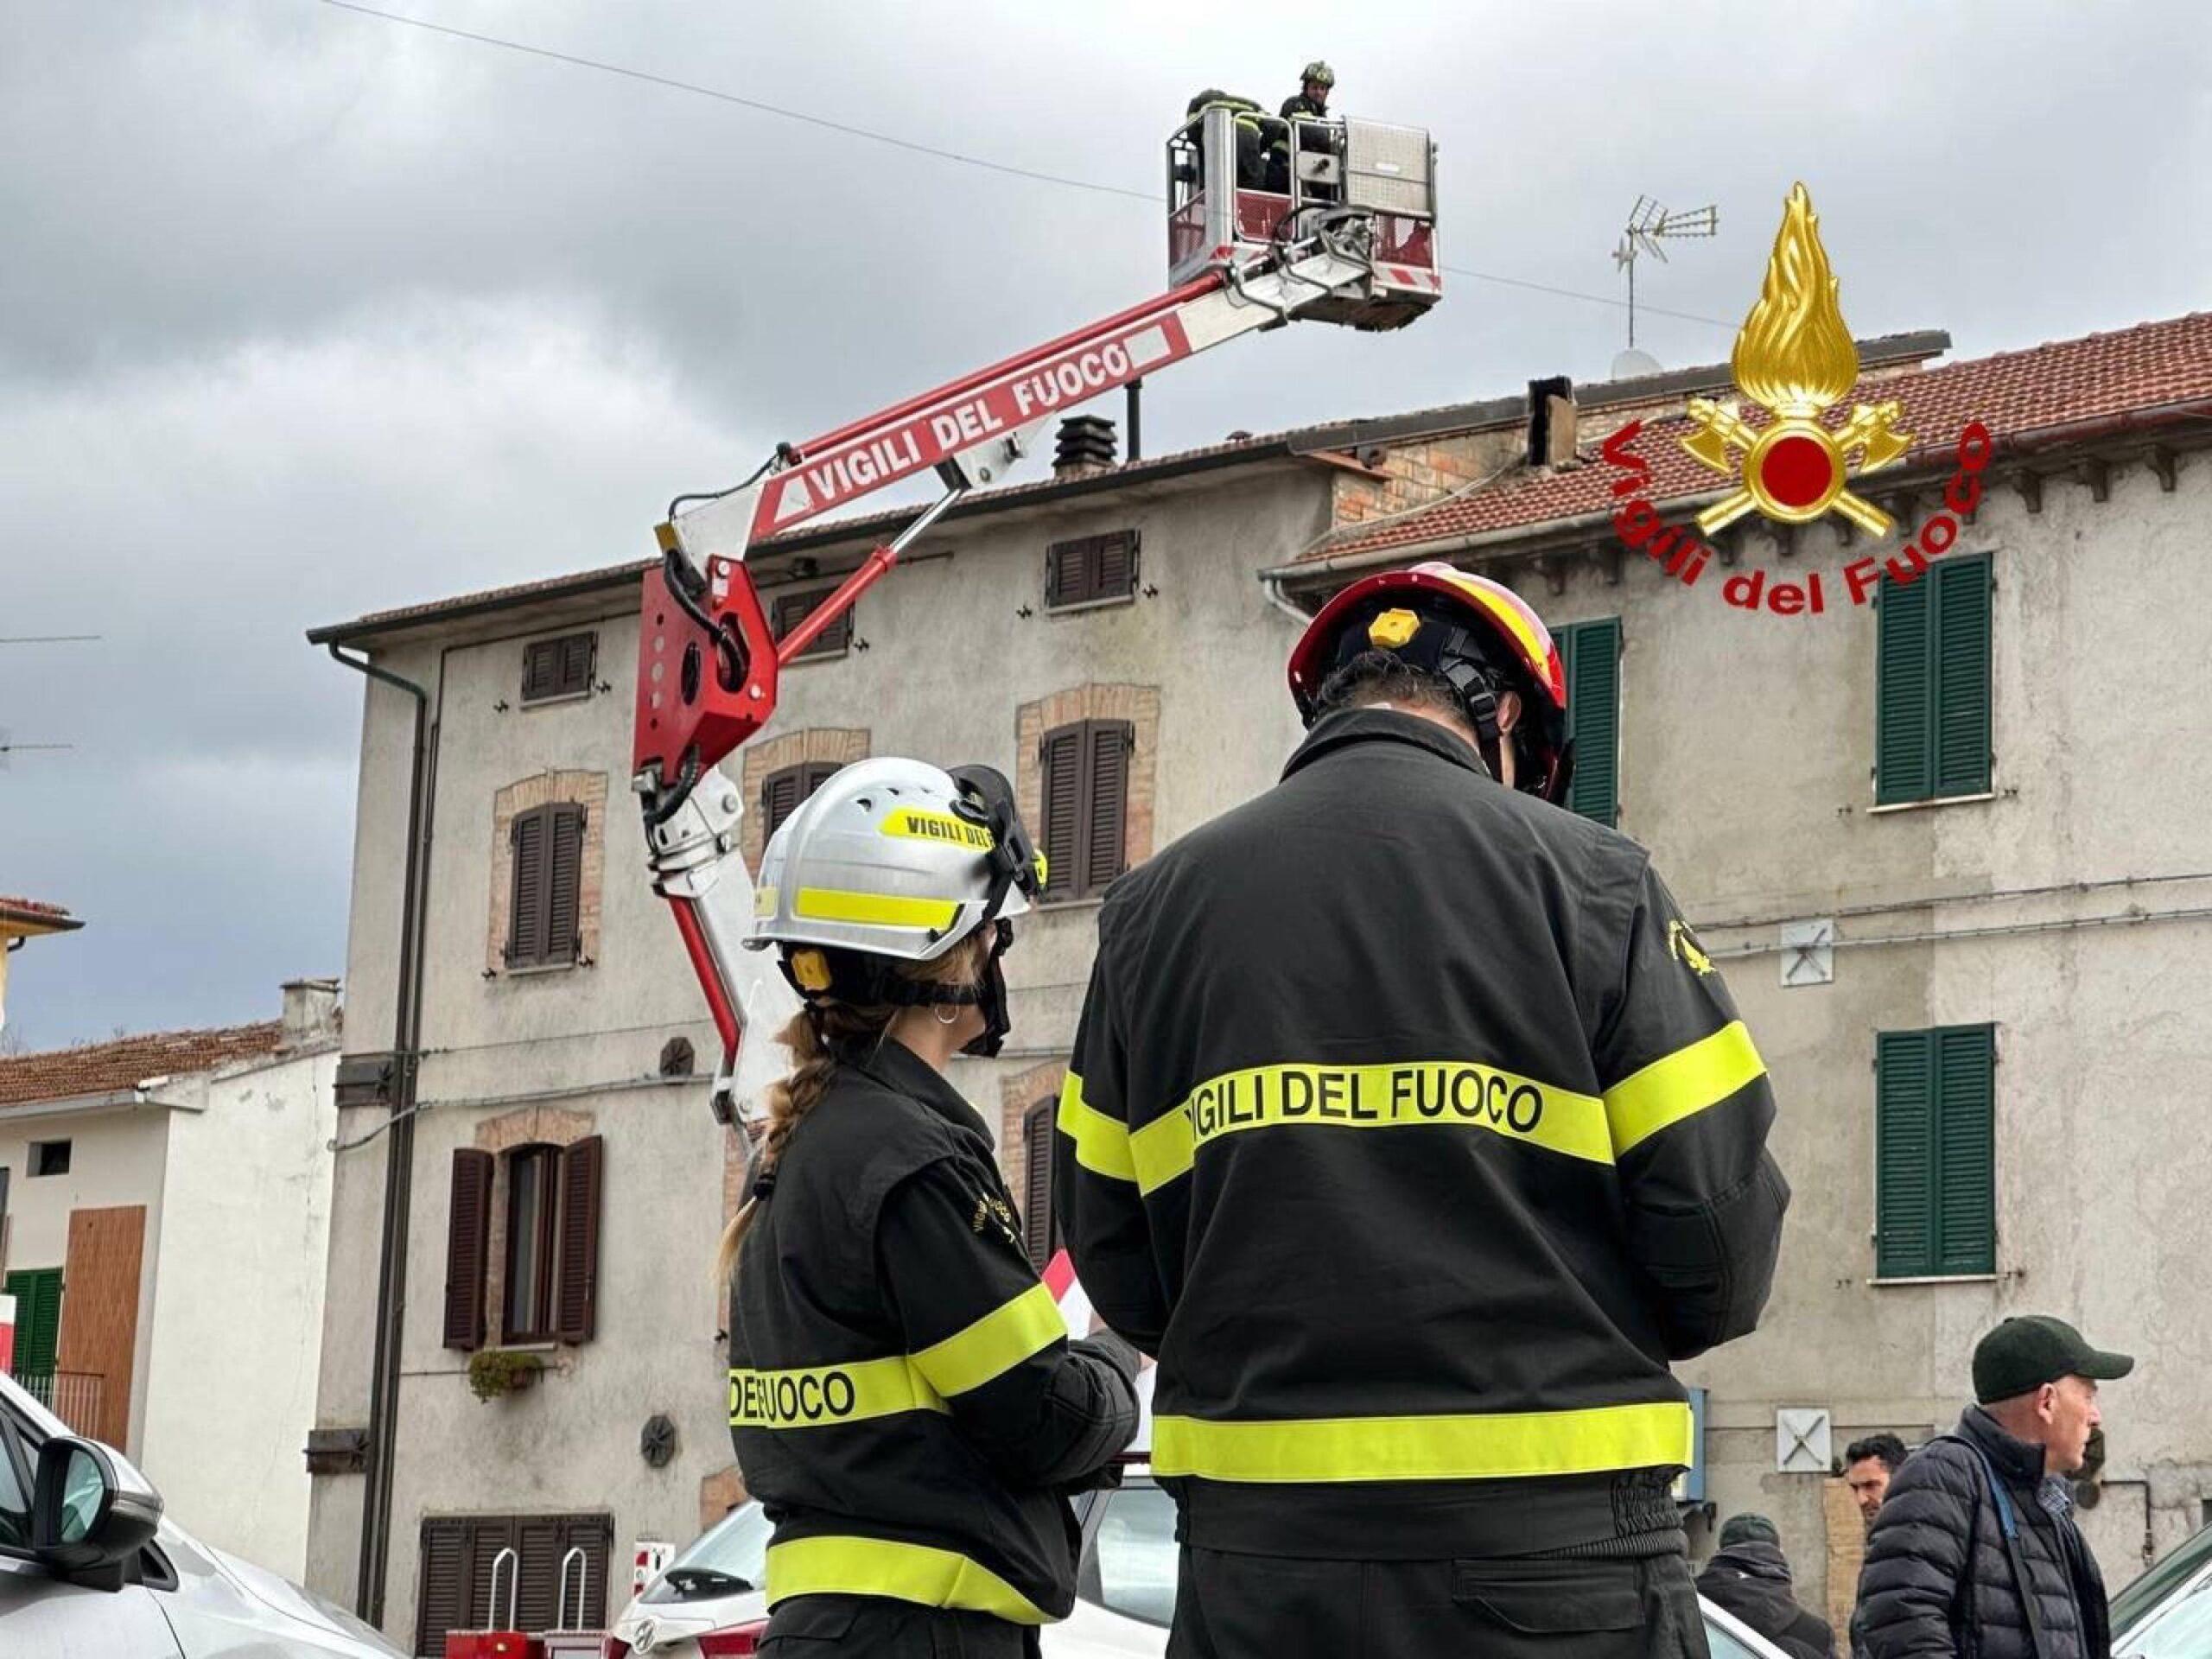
(893, 860)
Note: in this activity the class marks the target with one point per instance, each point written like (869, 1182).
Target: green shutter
(1905, 1185)
(1905, 701)
(1591, 654)
(37, 1291)
(1931, 723)
(1934, 1126)
(1962, 637)
(1966, 1196)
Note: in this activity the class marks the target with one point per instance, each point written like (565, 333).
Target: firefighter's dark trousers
(875, 1627)
(1273, 1607)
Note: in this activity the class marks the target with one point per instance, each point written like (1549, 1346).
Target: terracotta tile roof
(110, 1067)
(42, 916)
(2151, 366)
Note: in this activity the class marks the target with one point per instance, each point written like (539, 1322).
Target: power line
(672, 84)
(46, 638)
(720, 96)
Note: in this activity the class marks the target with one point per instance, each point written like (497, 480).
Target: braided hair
(814, 1035)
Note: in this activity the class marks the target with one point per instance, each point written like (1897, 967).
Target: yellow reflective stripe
(998, 1342)
(885, 910)
(915, 824)
(1161, 1151)
(812, 1396)
(1406, 1094)
(1681, 1084)
(877, 1566)
(1489, 1446)
(1102, 1143)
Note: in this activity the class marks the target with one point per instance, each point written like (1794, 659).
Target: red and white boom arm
(708, 660)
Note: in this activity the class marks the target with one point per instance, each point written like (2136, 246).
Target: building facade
(1114, 640)
(164, 1226)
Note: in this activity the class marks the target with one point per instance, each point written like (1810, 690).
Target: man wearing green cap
(1749, 1576)
(1975, 1549)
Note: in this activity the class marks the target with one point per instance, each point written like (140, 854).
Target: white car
(89, 1565)
(708, 1602)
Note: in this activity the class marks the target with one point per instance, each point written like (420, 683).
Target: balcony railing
(73, 1396)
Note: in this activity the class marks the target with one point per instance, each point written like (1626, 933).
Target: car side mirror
(91, 1512)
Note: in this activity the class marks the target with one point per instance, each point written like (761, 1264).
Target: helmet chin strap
(1478, 697)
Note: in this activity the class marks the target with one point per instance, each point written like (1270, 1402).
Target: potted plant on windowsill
(495, 1371)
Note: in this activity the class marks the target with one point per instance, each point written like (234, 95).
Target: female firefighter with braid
(904, 1398)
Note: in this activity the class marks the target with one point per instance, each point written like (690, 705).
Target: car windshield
(728, 1559)
(1129, 1562)
(2130, 1606)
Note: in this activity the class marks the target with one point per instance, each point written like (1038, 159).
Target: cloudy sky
(305, 313)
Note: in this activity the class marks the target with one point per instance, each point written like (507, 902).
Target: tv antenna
(1649, 228)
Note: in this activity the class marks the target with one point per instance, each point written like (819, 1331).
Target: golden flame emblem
(1795, 358)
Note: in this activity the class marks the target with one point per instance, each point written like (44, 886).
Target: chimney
(1085, 447)
(1551, 421)
(310, 1011)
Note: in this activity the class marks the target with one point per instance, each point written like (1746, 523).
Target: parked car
(90, 1564)
(707, 1603)
(2167, 1612)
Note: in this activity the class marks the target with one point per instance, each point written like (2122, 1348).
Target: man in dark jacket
(1749, 1576)
(1975, 1550)
(1412, 1131)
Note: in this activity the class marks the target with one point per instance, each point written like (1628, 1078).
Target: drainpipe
(392, 1256)
(1272, 587)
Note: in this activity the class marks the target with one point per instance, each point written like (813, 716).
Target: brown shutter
(564, 885)
(442, 1599)
(1061, 755)
(575, 1288)
(487, 1536)
(791, 609)
(1067, 573)
(594, 1536)
(526, 901)
(1106, 744)
(818, 772)
(468, 1238)
(541, 669)
(576, 653)
(779, 797)
(538, 1541)
(1037, 1228)
(1115, 568)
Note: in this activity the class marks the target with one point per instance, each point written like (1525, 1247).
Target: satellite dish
(1633, 365)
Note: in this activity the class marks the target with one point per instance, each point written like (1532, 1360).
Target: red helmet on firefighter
(1479, 636)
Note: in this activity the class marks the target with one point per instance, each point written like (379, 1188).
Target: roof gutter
(2017, 445)
(79, 1105)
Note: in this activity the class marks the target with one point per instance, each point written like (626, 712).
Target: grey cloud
(304, 314)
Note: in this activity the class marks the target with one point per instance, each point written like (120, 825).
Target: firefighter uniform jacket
(1413, 1131)
(903, 1396)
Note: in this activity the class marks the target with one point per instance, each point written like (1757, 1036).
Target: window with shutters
(547, 847)
(559, 668)
(1932, 683)
(1590, 652)
(1040, 1227)
(1085, 798)
(782, 790)
(1935, 1132)
(547, 1200)
(789, 610)
(1091, 571)
(454, 1590)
